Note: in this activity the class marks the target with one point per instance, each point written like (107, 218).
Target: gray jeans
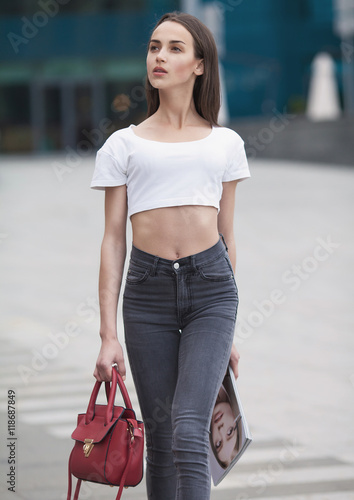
(179, 319)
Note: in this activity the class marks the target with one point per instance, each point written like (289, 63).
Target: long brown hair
(206, 90)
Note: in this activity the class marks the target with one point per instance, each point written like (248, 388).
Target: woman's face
(170, 60)
(223, 432)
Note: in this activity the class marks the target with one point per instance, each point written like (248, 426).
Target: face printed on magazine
(224, 429)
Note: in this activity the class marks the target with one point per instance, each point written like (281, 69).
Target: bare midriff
(175, 232)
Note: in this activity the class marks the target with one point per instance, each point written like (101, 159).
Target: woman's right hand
(111, 352)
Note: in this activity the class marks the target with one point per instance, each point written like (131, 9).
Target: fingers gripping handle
(111, 394)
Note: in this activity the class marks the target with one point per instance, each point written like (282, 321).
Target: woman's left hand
(234, 360)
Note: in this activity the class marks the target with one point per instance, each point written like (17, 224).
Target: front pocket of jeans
(136, 274)
(219, 270)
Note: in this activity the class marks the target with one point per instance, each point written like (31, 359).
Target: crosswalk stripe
(44, 390)
(294, 491)
(61, 431)
(40, 377)
(53, 377)
(84, 388)
(49, 417)
(263, 477)
(35, 405)
(45, 403)
(346, 495)
(306, 462)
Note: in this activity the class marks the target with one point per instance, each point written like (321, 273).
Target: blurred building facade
(72, 71)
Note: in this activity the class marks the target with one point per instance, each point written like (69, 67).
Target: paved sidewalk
(294, 227)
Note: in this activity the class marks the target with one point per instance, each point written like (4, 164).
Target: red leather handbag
(109, 442)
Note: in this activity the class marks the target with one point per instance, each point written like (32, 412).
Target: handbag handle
(111, 394)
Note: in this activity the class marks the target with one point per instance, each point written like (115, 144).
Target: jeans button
(176, 265)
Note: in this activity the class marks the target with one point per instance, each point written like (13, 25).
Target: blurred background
(71, 73)
(66, 65)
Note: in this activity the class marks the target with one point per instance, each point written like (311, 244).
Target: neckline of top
(162, 142)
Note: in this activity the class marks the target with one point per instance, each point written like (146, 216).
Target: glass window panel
(15, 129)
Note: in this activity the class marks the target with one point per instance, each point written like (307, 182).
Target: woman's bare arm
(226, 219)
(226, 227)
(113, 253)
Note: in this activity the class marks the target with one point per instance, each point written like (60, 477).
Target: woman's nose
(161, 56)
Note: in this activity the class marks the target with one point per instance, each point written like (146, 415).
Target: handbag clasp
(88, 447)
(131, 431)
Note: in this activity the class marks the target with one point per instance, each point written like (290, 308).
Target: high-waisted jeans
(179, 318)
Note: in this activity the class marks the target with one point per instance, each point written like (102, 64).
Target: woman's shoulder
(120, 135)
(117, 140)
(228, 134)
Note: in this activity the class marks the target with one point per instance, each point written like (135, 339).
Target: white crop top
(164, 174)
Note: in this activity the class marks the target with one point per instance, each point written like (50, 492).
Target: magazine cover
(229, 432)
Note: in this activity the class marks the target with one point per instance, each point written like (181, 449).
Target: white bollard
(323, 97)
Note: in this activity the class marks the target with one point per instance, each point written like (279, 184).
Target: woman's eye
(153, 47)
(230, 431)
(176, 49)
(217, 445)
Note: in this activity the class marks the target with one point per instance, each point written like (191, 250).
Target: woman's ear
(199, 70)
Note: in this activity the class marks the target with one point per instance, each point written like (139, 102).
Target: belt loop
(193, 262)
(154, 266)
(223, 240)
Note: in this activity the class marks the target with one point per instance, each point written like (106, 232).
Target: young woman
(174, 176)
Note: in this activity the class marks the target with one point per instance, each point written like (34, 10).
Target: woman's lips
(159, 71)
(218, 416)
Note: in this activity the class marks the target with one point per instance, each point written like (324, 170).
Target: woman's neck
(177, 109)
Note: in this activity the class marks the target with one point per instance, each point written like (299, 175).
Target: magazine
(229, 432)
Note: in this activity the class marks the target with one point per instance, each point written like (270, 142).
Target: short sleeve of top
(111, 163)
(237, 164)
